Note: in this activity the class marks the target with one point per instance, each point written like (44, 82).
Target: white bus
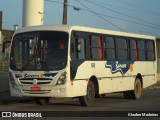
(80, 62)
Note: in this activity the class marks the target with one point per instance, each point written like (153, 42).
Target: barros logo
(119, 66)
(39, 76)
(30, 76)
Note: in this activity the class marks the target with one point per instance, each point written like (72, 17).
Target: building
(158, 58)
(0, 35)
(5, 40)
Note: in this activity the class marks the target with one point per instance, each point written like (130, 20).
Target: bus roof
(67, 28)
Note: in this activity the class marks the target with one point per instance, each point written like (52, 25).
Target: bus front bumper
(44, 91)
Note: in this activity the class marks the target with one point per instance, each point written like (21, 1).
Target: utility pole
(1, 20)
(65, 7)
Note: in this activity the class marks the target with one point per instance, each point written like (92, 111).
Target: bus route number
(93, 65)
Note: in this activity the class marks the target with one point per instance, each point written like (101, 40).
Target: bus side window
(121, 49)
(150, 51)
(133, 50)
(141, 50)
(80, 48)
(109, 45)
(73, 48)
(96, 49)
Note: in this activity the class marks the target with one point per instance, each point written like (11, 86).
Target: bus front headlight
(62, 79)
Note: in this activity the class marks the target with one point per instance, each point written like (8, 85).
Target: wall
(0, 28)
(0, 46)
(158, 59)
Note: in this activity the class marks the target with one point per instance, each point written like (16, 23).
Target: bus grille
(37, 92)
(40, 81)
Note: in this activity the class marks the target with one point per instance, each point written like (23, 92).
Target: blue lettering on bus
(119, 66)
(50, 74)
(41, 75)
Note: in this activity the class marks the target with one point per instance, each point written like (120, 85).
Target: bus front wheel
(42, 100)
(88, 100)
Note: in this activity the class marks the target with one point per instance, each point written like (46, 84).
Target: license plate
(35, 88)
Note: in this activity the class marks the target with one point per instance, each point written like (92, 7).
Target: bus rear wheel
(88, 100)
(136, 93)
(42, 100)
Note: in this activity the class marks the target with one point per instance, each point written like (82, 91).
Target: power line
(58, 2)
(135, 6)
(120, 19)
(128, 21)
(87, 10)
(146, 12)
(100, 16)
(54, 1)
(78, 9)
(121, 13)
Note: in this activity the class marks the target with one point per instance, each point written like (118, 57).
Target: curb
(155, 86)
(151, 88)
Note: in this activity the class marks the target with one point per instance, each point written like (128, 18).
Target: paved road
(4, 84)
(150, 101)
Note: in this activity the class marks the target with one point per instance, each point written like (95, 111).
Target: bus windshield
(41, 50)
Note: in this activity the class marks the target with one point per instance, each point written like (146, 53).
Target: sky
(134, 16)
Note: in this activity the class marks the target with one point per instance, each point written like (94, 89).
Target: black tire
(100, 95)
(137, 92)
(88, 100)
(126, 94)
(42, 100)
